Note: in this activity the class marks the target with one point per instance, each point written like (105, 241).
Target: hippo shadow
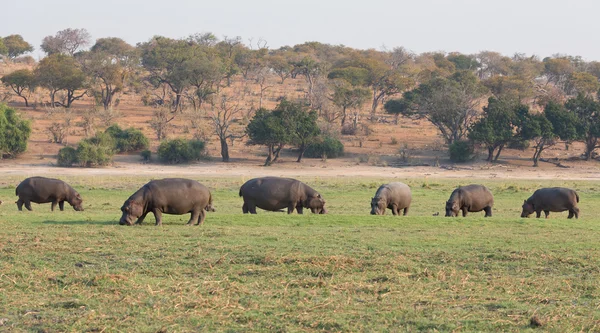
(81, 222)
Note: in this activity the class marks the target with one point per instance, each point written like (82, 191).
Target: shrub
(127, 140)
(349, 130)
(14, 132)
(95, 151)
(518, 144)
(180, 151)
(67, 157)
(461, 151)
(146, 155)
(329, 147)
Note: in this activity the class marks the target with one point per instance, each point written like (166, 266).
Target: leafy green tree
(583, 83)
(16, 46)
(495, 128)
(14, 132)
(586, 111)
(66, 42)
(450, 104)
(463, 62)
(347, 96)
(267, 128)
(3, 48)
(60, 72)
(21, 82)
(511, 87)
(301, 125)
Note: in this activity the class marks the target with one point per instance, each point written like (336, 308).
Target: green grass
(346, 271)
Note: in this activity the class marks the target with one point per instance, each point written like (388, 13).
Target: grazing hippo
(170, 196)
(274, 193)
(43, 190)
(395, 196)
(553, 199)
(470, 198)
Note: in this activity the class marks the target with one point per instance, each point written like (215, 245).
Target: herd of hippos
(182, 196)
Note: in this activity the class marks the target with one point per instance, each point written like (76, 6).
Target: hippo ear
(524, 202)
(318, 195)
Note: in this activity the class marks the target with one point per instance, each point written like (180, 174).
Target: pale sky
(541, 27)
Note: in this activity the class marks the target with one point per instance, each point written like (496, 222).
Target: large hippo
(169, 196)
(43, 190)
(470, 198)
(395, 196)
(553, 199)
(274, 193)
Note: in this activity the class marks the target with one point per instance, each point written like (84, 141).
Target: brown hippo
(43, 190)
(274, 193)
(553, 199)
(470, 198)
(169, 196)
(395, 196)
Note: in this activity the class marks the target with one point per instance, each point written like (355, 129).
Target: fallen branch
(556, 162)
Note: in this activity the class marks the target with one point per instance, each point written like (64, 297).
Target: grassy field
(347, 271)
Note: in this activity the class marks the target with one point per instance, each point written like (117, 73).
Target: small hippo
(395, 196)
(553, 199)
(176, 196)
(44, 190)
(470, 198)
(274, 193)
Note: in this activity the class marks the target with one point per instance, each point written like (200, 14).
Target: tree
(3, 48)
(22, 83)
(267, 128)
(511, 87)
(14, 132)
(16, 46)
(587, 114)
(496, 126)
(109, 63)
(301, 125)
(583, 83)
(67, 41)
(60, 72)
(463, 62)
(279, 62)
(346, 96)
(225, 110)
(448, 103)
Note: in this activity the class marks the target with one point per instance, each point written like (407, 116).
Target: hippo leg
(464, 211)
(141, 218)
(546, 212)
(245, 208)
(194, 217)
(394, 210)
(300, 209)
(61, 205)
(405, 211)
(251, 207)
(28, 205)
(488, 211)
(157, 216)
(53, 205)
(291, 208)
(201, 217)
(538, 213)
(20, 204)
(574, 211)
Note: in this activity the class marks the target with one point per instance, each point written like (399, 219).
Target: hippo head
(378, 206)
(316, 204)
(452, 208)
(76, 201)
(132, 210)
(527, 209)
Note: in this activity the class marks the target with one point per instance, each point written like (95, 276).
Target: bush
(14, 132)
(329, 148)
(348, 129)
(95, 151)
(127, 140)
(518, 144)
(461, 151)
(67, 157)
(181, 151)
(146, 155)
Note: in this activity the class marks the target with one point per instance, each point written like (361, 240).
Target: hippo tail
(240, 192)
(577, 196)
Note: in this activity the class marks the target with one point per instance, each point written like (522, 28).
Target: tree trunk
(276, 153)
(590, 146)
(498, 154)
(302, 150)
(269, 159)
(343, 116)
(490, 153)
(26, 102)
(224, 150)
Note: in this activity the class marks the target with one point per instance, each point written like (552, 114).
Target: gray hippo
(470, 198)
(44, 190)
(176, 196)
(395, 196)
(274, 194)
(553, 199)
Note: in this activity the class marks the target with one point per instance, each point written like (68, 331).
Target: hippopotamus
(395, 196)
(274, 194)
(553, 199)
(176, 196)
(470, 198)
(43, 190)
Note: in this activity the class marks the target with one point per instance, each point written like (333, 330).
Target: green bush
(181, 151)
(67, 157)
(14, 132)
(127, 140)
(461, 151)
(146, 155)
(329, 147)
